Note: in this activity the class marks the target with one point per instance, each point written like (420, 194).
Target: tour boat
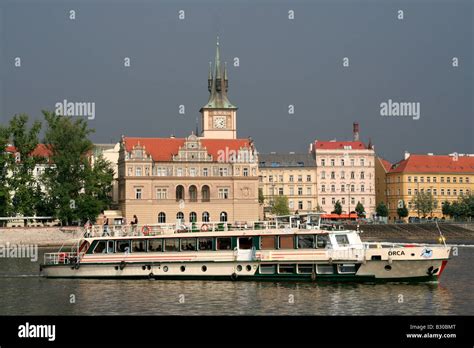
(301, 248)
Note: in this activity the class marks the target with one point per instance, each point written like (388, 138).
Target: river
(23, 292)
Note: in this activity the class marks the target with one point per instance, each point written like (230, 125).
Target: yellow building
(292, 175)
(446, 177)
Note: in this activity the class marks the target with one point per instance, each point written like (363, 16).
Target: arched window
(223, 216)
(179, 193)
(206, 217)
(180, 216)
(192, 217)
(161, 218)
(193, 193)
(206, 193)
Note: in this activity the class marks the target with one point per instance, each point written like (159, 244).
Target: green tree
(382, 209)
(69, 181)
(402, 210)
(424, 203)
(337, 208)
(261, 197)
(5, 199)
(446, 208)
(280, 206)
(360, 210)
(22, 181)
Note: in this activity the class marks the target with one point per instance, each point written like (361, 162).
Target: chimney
(407, 154)
(355, 131)
(172, 136)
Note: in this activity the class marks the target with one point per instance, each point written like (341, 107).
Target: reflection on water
(23, 292)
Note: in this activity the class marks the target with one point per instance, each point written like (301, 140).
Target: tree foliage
(337, 208)
(381, 209)
(424, 203)
(360, 210)
(402, 211)
(280, 206)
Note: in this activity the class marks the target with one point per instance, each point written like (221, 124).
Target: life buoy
(146, 230)
(204, 228)
(62, 257)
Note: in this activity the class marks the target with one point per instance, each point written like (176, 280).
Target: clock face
(219, 122)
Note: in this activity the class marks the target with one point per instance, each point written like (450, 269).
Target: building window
(343, 175)
(434, 178)
(280, 177)
(205, 193)
(309, 205)
(308, 178)
(138, 193)
(323, 201)
(352, 200)
(179, 172)
(223, 193)
(300, 205)
(333, 188)
(323, 188)
(428, 179)
(308, 191)
(205, 172)
(246, 172)
(223, 171)
(161, 171)
(409, 179)
(292, 190)
(353, 188)
(180, 217)
(300, 178)
(161, 193)
(333, 200)
(333, 162)
(223, 216)
(193, 193)
(343, 188)
(300, 191)
(362, 176)
(179, 192)
(449, 192)
(352, 162)
(409, 192)
(362, 189)
(291, 204)
(280, 191)
(343, 200)
(415, 179)
(342, 162)
(448, 179)
(442, 192)
(352, 175)
(454, 179)
(362, 162)
(422, 179)
(192, 172)
(455, 192)
(323, 162)
(442, 179)
(291, 178)
(206, 217)
(435, 192)
(192, 217)
(161, 218)
(138, 171)
(467, 180)
(460, 180)
(323, 175)
(333, 175)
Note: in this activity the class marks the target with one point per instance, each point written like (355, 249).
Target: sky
(289, 53)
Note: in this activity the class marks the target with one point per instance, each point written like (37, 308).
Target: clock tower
(218, 115)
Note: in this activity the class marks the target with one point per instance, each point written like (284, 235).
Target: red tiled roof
(333, 145)
(386, 164)
(162, 149)
(434, 164)
(41, 150)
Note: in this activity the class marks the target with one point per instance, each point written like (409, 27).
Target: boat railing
(91, 231)
(62, 258)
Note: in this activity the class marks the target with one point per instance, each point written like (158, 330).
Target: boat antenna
(441, 233)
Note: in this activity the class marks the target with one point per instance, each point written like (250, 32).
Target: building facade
(382, 167)
(291, 175)
(446, 177)
(209, 178)
(345, 172)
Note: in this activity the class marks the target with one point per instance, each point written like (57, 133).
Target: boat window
(172, 244)
(287, 242)
(100, 247)
(267, 269)
(122, 246)
(267, 242)
(286, 268)
(322, 241)
(347, 268)
(224, 244)
(205, 243)
(139, 246)
(155, 245)
(324, 269)
(305, 268)
(342, 239)
(245, 243)
(188, 244)
(306, 242)
(110, 246)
